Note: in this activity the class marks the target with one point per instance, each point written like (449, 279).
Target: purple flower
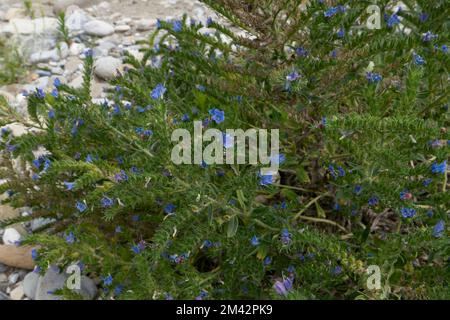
(118, 290)
(209, 22)
(337, 270)
(423, 17)
(158, 91)
(217, 115)
(439, 229)
(429, 36)
(341, 33)
(121, 176)
(57, 82)
(405, 195)
(357, 190)
(118, 229)
(267, 261)
(427, 182)
(301, 52)
(55, 93)
(136, 249)
(203, 294)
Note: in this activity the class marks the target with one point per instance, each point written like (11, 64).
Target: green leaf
(233, 225)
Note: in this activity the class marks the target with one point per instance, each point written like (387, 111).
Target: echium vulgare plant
(363, 180)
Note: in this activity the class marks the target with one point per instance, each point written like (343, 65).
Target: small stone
(13, 278)
(30, 283)
(76, 20)
(17, 293)
(3, 268)
(3, 277)
(122, 28)
(76, 48)
(145, 24)
(106, 68)
(62, 5)
(11, 236)
(98, 28)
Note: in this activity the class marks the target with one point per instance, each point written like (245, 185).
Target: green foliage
(62, 28)
(11, 63)
(363, 125)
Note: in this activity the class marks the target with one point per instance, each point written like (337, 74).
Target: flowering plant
(363, 179)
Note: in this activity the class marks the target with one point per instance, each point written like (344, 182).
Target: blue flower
(393, 20)
(418, 60)
(439, 167)
(177, 26)
(330, 12)
(209, 22)
(280, 288)
(169, 208)
(136, 249)
(107, 202)
(89, 159)
(88, 52)
(118, 290)
(40, 94)
(278, 159)
(35, 176)
(427, 182)
(255, 241)
(81, 206)
(285, 237)
(69, 185)
(294, 75)
(121, 176)
(337, 270)
(70, 238)
(217, 115)
(118, 229)
(373, 201)
(266, 179)
(438, 229)
(158, 91)
(185, 117)
(203, 294)
(207, 244)
(168, 296)
(55, 93)
(407, 212)
(57, 82)
(444, 48)
(373, 77)
(108, 280)
(423, 17)
(34, 254)
(357, 190)
(301, 52)
(341, 171)
(341, 33)
(267, 261)
(429, 36)
(200, 87)
(158, 24)
(51, 114)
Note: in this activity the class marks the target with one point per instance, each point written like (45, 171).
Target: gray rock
(3, 296)
(106, 68)
(3, 268)
(30, 283)
(76, 20)
(61, 5)
(88, 288)
(51, 281)
(145, 24)
(122, 28)
(13, 278)
(39, 223)
(50, 55)
(35, 27)
(98, 28)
